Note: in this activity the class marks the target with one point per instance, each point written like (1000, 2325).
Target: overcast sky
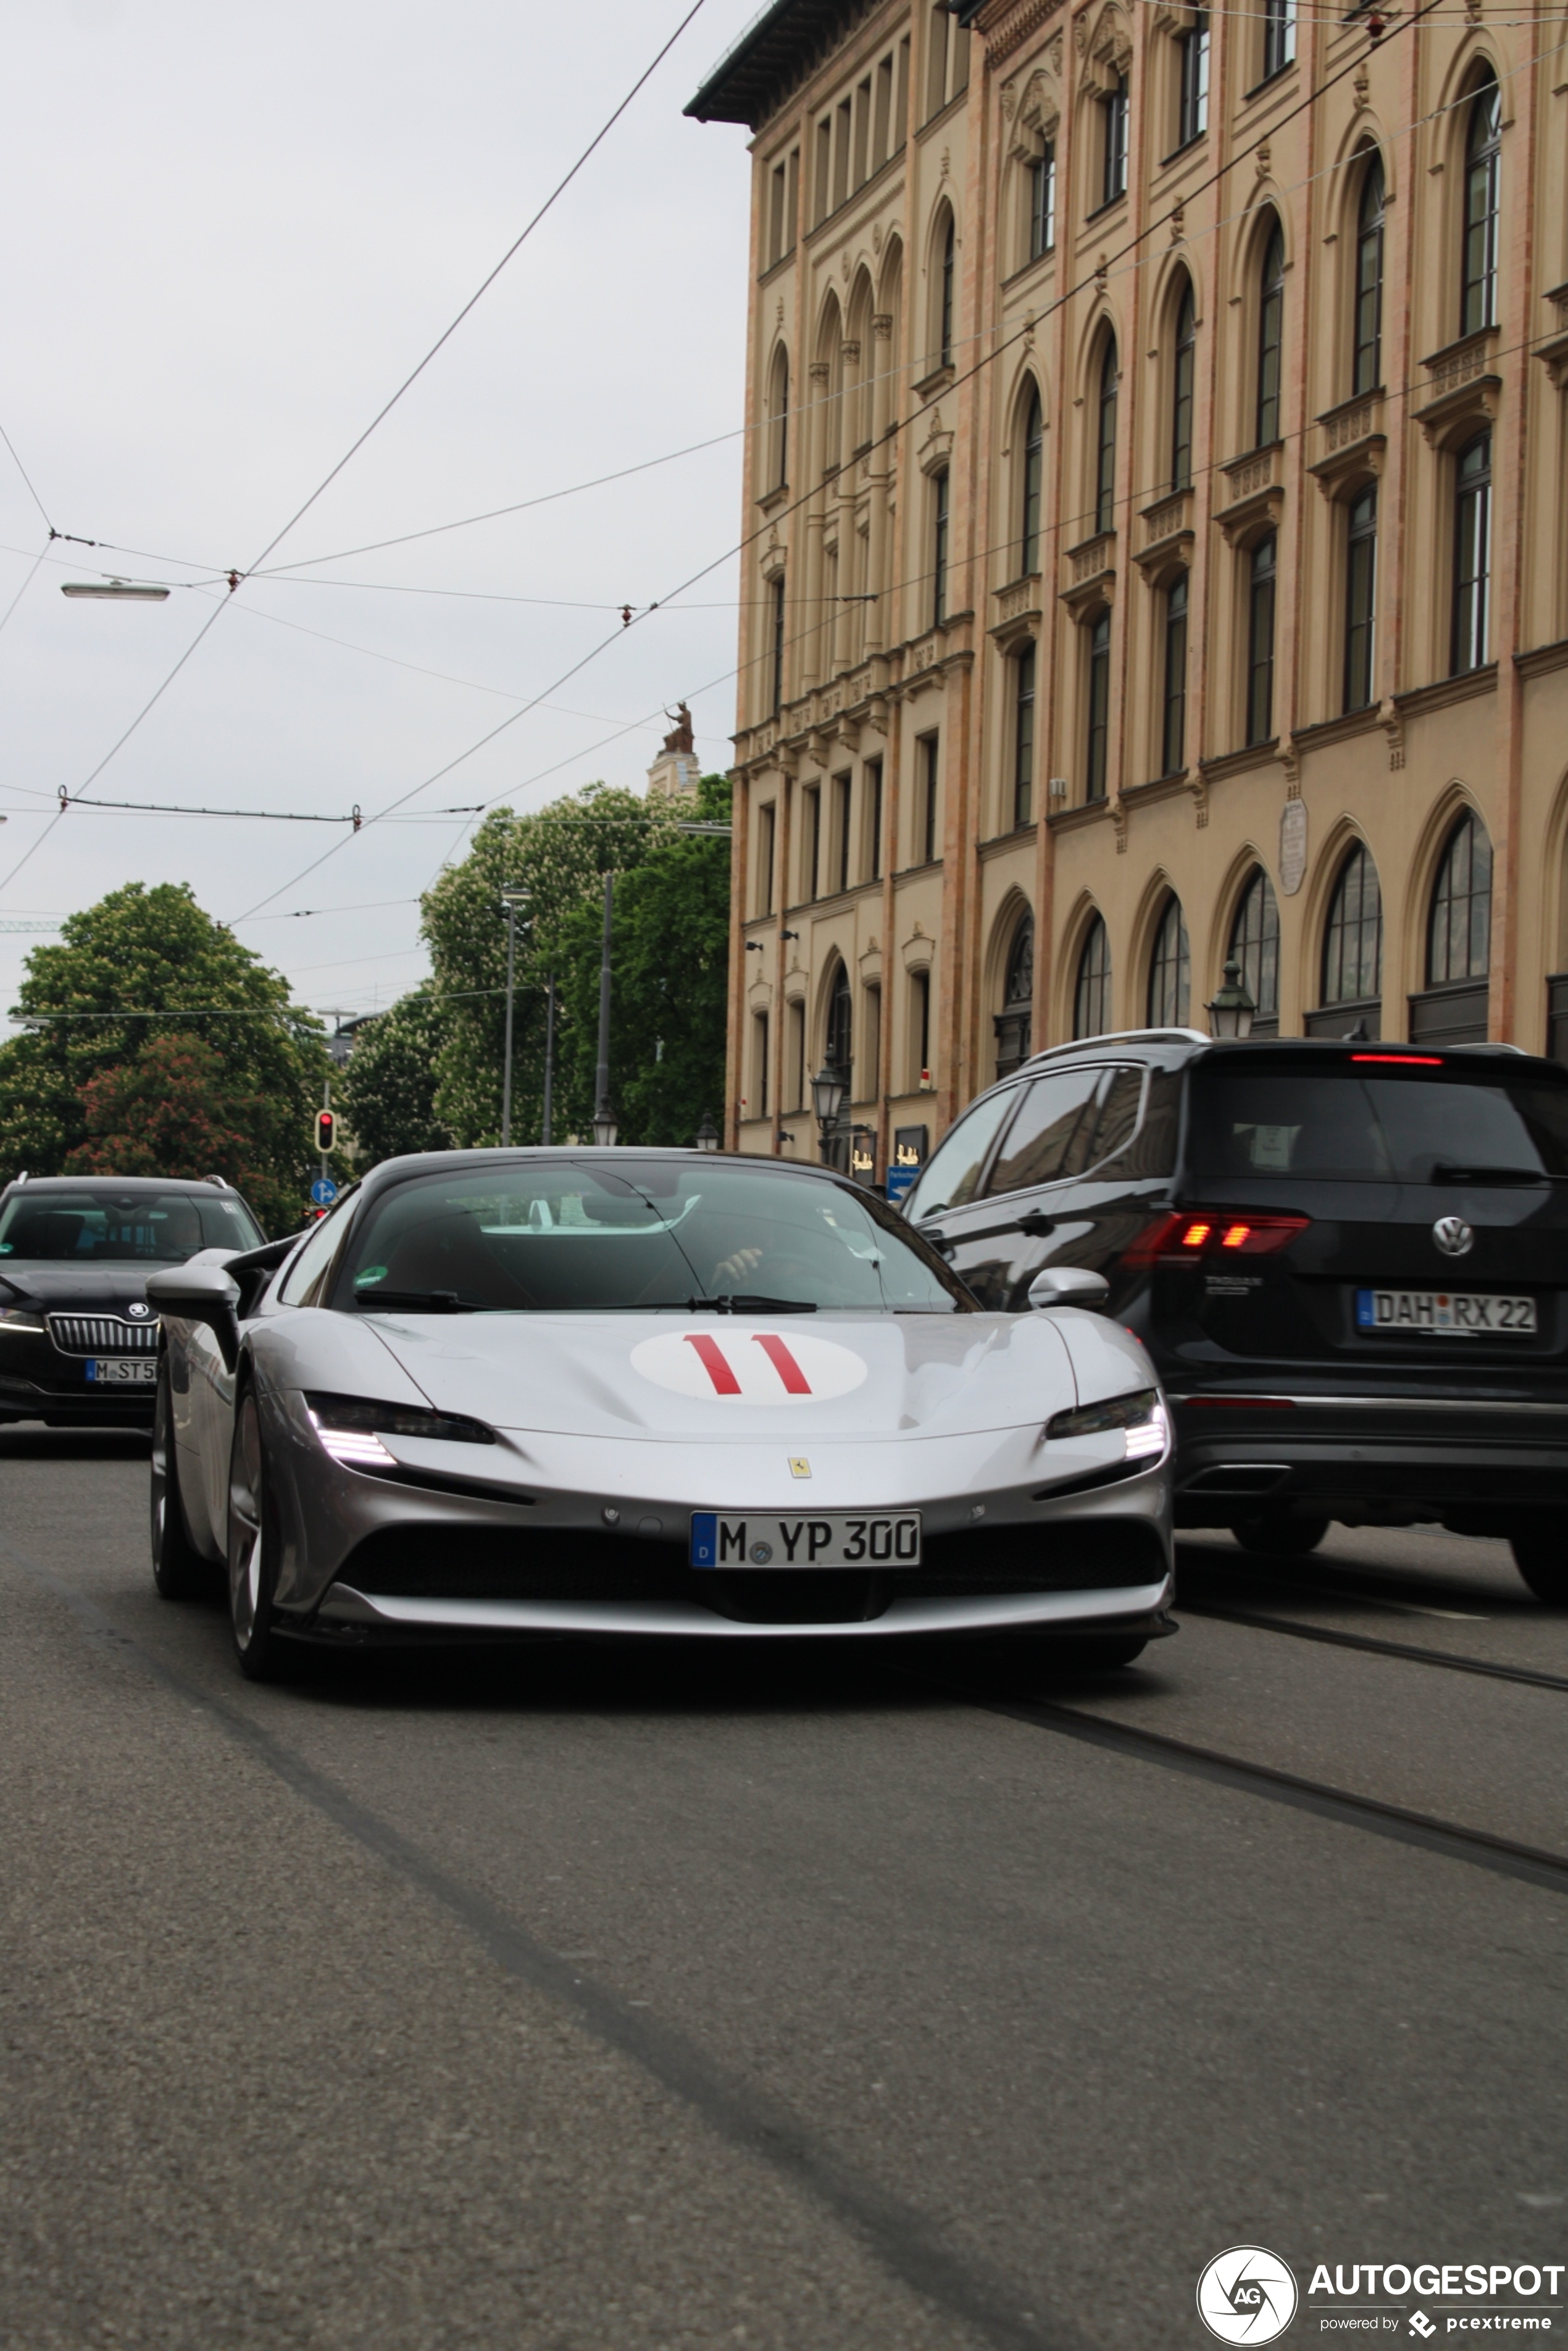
(230, 230)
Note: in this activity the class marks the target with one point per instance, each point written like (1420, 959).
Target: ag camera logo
(1247, 2295)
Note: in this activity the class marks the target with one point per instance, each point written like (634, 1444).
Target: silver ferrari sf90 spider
(536, 1392)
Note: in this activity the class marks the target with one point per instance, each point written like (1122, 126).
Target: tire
(1280, 1537)
(179, 1571)
(261, 1653)
(1541, 1556)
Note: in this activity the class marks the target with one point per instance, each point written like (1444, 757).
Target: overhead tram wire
(235, 578)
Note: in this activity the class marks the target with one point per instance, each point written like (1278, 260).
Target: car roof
(118, 1184)
(1193, 1045)
(573, 1155)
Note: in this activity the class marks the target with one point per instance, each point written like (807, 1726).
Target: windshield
(101, 1227)
(549, 1236)
(1354, 1123)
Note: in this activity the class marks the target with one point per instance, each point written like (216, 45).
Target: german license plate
(124, 1371)
(1450, 1313)
(758, 1539)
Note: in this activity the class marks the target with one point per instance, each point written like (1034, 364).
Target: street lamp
(706, 1136)
(117, 592)
(511, 900)
(1230, 1014)
(829, 1088)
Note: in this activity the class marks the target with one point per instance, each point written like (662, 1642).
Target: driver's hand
(734, 1270)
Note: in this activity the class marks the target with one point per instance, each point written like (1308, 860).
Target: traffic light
(326, 1130)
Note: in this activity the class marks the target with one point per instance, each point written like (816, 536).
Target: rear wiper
(1445, 1172)
(751, 1301)
(420, 1301)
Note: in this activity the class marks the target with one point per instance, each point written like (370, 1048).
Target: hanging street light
(707, 1135)
(1230, 1014)
(115, 591)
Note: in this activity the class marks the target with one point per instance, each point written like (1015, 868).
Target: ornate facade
(1155, 545)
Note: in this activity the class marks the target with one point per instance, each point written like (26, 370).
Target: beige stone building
(1154, 545)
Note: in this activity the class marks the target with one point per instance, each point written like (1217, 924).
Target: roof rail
(1123, 1037)
(221, 1180)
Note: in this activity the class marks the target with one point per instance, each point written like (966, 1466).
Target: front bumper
(1478, 1465)
(578, 1535)
(66, 1399)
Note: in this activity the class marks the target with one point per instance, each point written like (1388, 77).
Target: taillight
(1189, 1236)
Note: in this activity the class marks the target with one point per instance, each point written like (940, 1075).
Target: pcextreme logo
(1247, 2295)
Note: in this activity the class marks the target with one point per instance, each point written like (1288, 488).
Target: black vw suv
(79, 1341)
(1349, 1262)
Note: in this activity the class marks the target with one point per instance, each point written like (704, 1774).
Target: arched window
(1170, 970)
(945, 298)
(1271, 337)
(1458, 941)
(1105, 440)
(1173, 727)
(1183, 380)
(1033, 469)
(1255, 946)
(1014, 1021)
(1361, 600)
(839, 1043)
(1097, 728)
(779, 420)
(1367, 358)
(1091, 995)
(1262, 581)
(1472, 554)
(1483, 155)
(1353, 941)
(1023, 734)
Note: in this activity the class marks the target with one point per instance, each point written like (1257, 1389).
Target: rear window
(98, 1226)
(1352, 1123)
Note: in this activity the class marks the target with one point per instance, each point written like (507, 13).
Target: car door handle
(1037, 1224)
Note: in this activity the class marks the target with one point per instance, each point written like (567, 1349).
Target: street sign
(900, 1180)
(323, 1191)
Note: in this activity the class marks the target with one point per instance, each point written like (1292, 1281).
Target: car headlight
(20, 1318)
(1141, 1417)
(350, 1429)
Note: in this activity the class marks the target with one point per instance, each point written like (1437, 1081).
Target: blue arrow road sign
(323, 1191)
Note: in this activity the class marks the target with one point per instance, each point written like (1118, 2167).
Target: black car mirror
(201, 1293)
(1063, 1285)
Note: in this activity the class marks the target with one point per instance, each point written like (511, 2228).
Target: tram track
(1334, 1637)
(1531, 1864)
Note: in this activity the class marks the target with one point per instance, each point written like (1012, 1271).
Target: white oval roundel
(739, 1364)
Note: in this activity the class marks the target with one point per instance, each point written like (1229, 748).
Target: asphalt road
(582, 1999)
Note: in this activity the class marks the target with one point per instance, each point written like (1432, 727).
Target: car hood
(61, 1288)
(738, 1377)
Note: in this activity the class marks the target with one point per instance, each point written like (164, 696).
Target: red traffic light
(326, 1130)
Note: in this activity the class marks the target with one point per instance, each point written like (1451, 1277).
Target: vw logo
(140, 1309)
(1453, 1235)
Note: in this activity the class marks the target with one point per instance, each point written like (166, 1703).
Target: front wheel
(179, 1571)
(1281, 1537)
(1541, 1556)
(263, 1654)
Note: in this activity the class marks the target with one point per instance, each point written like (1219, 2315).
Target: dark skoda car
(1349, 1262)
(79, 1341)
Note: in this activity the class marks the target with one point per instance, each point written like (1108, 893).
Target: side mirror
(1060, 1285)
(200, 1293)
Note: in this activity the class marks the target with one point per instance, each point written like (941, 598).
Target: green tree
(145, 964)
(557, 856)
(668, 968)
(386, 1091)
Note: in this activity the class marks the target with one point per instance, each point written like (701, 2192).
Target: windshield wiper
(751, 1301)
(420, 1301)
(1445, 1172)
